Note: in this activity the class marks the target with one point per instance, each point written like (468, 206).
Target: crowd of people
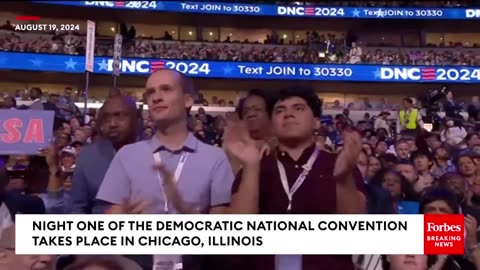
(316, 48)
(103, 165)
(123, 159)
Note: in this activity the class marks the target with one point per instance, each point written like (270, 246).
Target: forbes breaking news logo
(472, 13)
(133, 66)
(444, 234)
(412, 74)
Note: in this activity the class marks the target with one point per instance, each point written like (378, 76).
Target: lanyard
(300, 179)
(407, 117)
(176, 176)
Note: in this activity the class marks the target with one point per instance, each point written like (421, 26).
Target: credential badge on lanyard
(301, 178)
(407, 117)
(167, 262)
(178, 171)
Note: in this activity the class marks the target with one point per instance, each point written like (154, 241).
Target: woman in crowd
(466, 167)
(374, 166)
(401, 191)
(381, 148)
(368, 149)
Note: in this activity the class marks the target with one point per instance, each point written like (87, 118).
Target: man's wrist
(252, 164)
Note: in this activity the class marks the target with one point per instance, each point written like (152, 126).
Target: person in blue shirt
(443, 164)
(66, 105)
(378, 198)
(57, 197)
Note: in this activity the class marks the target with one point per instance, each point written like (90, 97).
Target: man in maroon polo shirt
(296, 178)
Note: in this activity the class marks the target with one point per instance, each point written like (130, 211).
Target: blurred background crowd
(317, 47)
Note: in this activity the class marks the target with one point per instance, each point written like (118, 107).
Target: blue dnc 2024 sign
(245, 70)
(282, 10)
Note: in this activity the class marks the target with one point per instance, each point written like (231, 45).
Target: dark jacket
(378, 200)
(18, 203)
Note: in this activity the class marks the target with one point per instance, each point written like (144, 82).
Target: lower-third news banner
(239, 234)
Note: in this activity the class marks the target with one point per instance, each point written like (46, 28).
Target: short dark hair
(470, 136)
(36, 175)
(443, 180)
(408, 100)
(404, 162)
(13, 100)
(129, 103)
(433, 134)
(3, 178)
(77, 144)
(401, 141)
(417, 154)
(407, 188)
(431, 260)
(253, 93)
(388, 157)
(469, 155)
(439, 194)
(435, 151)
(381, 141)
(307, 94)
(36, 90)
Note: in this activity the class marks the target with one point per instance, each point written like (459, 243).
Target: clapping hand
(423, 182)
(238, 142)
(348, 157)
(51, 157)
(171, 191)
(471, 226)
(132, 207)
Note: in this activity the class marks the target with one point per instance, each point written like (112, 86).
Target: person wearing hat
(68, 157)
(381, 122)
(61, 165)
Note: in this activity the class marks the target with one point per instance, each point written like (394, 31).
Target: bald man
(117, 120)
